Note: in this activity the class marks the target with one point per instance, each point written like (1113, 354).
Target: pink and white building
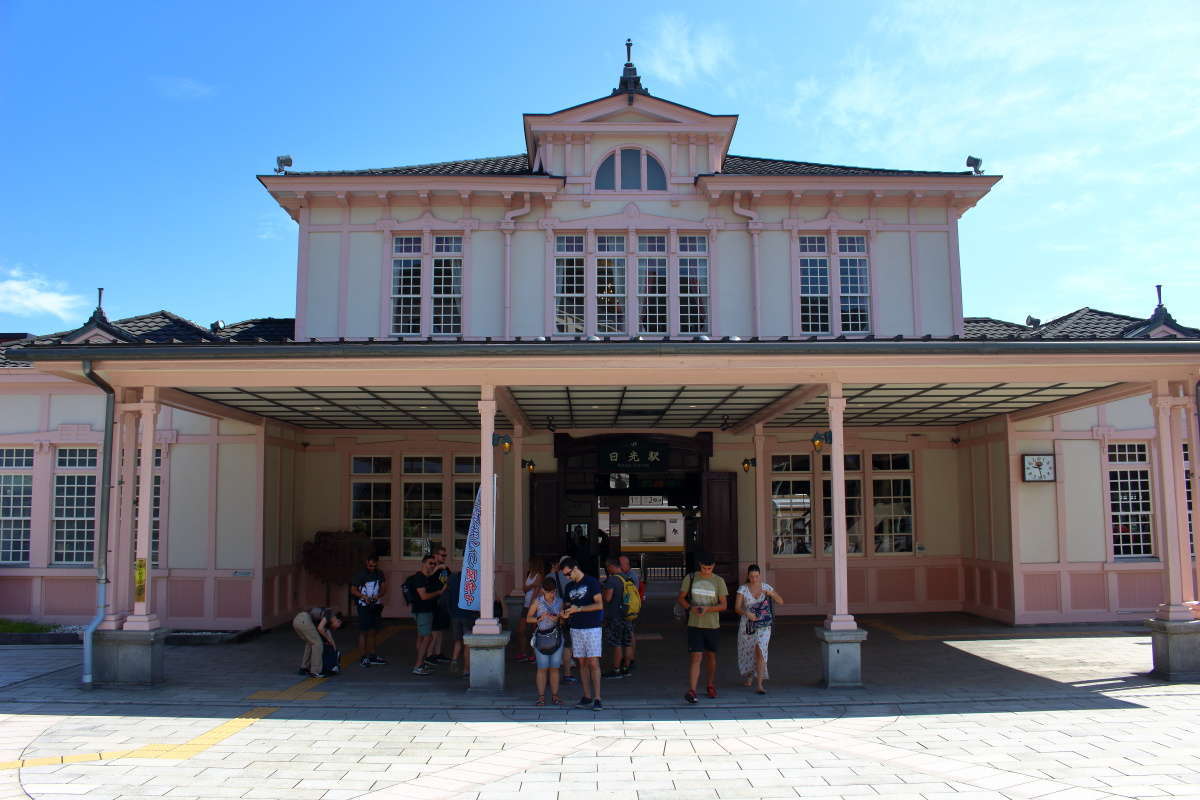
(623, 283)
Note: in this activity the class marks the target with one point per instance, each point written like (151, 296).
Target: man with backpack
(703, 595)
(421, 591)
(636, 576)
(621, 607)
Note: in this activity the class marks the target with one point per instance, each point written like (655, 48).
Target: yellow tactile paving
(180, 751)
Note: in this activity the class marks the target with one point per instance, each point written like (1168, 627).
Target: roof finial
(100, 298)
(1158, 288)
(630, 84)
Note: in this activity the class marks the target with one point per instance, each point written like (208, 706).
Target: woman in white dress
(754, 604)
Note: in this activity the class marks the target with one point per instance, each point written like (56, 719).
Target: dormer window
(639, 171)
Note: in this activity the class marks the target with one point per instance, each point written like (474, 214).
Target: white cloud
(27, 294)
(175, 87)
(680, 53)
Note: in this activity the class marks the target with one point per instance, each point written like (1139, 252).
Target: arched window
(637, 168)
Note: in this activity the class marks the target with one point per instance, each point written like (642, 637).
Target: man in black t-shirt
(441, 609)
(370, 588)
(428, 589)
(584, 613)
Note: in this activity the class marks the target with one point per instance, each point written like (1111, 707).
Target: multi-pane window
(16, 503)
(854, 514)
(570, 282)
(464, 505)
(693, 284)
(637, 170)
(652, 285)
(814, 285)
(447, 284)
(610, 284)
(155, 504)
(74, 508)
(371, 500)
(1129, 502)
(791, 509)
(854, 276)
(467, 465)
(1187, 492)
(421, 514)
(893, 507)
(406, 285)
(791, 462)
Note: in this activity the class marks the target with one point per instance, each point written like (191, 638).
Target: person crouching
(315, 627)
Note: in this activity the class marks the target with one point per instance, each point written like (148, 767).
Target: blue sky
(132, 132)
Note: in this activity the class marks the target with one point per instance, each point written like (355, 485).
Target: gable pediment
(617, 109)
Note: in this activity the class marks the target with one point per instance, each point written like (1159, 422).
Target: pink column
(120, 535)
(1174, 541)
(520, 546)
(762, 498)
(487, 623)
(840, 619)
(1180, 415)
(142, 618)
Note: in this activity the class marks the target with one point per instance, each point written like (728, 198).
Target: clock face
(1039, 467)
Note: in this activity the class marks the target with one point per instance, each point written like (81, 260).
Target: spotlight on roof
(1032, 321)
(973, 162)
(282, 163)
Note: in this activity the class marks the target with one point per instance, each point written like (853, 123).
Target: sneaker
(626, 671)
(612, 674)
(570, 680)
(427, 664)
(422, 670)
(597, 705)
(316, 675)
(690, 696)
(374, 659)
(364, 662)
(302, 671)
(584, 702)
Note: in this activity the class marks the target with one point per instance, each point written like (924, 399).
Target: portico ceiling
(641, 407)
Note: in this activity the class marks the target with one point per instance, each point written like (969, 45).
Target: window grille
(16, 458)
(892, 500)
(76, 458)
(1187, 491)
(371, 512)
(155, 515)
(406, 286)
(632, 163)
(464, 505)
(466, 465)
(814, 294)
(447, 285)
(1130, 506)
(422, 465)
(854, 515)
(74, 518)
(16, 512)
(652, 286)
(795, 462)
(570, 282)
(421, 527)
(693, 284)
(791, 506)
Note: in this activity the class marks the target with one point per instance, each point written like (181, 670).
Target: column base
(1176, 648)
(142, 622)
(841, 657)
(128, 657)
(111, 622)
(488, 654)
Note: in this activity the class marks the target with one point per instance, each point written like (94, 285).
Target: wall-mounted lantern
(503, 441)
(820, 439)
(528, 464)
(747, 463)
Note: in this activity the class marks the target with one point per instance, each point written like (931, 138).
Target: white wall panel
(20, 413)
(893, 284)
(77, 409)
(363, 284)
(237, 506)
(321, 302)
(188, 509)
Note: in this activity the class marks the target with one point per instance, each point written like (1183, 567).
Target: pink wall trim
(185, 598)
(234, 598)
(16, 596)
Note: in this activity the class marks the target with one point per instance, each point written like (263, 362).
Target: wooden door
(718, 526)
(545, 526)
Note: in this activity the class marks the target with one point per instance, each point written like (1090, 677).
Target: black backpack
(409, 589)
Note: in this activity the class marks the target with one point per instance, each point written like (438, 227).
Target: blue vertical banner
(468, 585)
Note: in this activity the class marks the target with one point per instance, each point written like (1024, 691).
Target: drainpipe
(100, 556)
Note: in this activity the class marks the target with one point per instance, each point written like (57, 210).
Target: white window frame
(650, 260)
(447, 262)
(406, 258)
(890, 472)
(832, 269)
(570, 285)
(1128, 462)
(644, 154)
(854, 280)
(16, 474)
(612, 304)
(814, 286)
(856, 534)
(423, 479)
(374, 478)
(695, 289)
(65, 538)
(156, 505)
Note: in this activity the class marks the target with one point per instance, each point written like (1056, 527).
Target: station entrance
(652, 498)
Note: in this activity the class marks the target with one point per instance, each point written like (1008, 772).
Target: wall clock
(1037, 467)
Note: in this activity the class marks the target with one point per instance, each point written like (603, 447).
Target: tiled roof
(494, 165)
(519, 165)
(750, 165)
(1087, 323)
(988, 328)
(163, 326)
(272, 329)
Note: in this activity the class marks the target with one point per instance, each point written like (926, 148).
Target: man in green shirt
(704, 596)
